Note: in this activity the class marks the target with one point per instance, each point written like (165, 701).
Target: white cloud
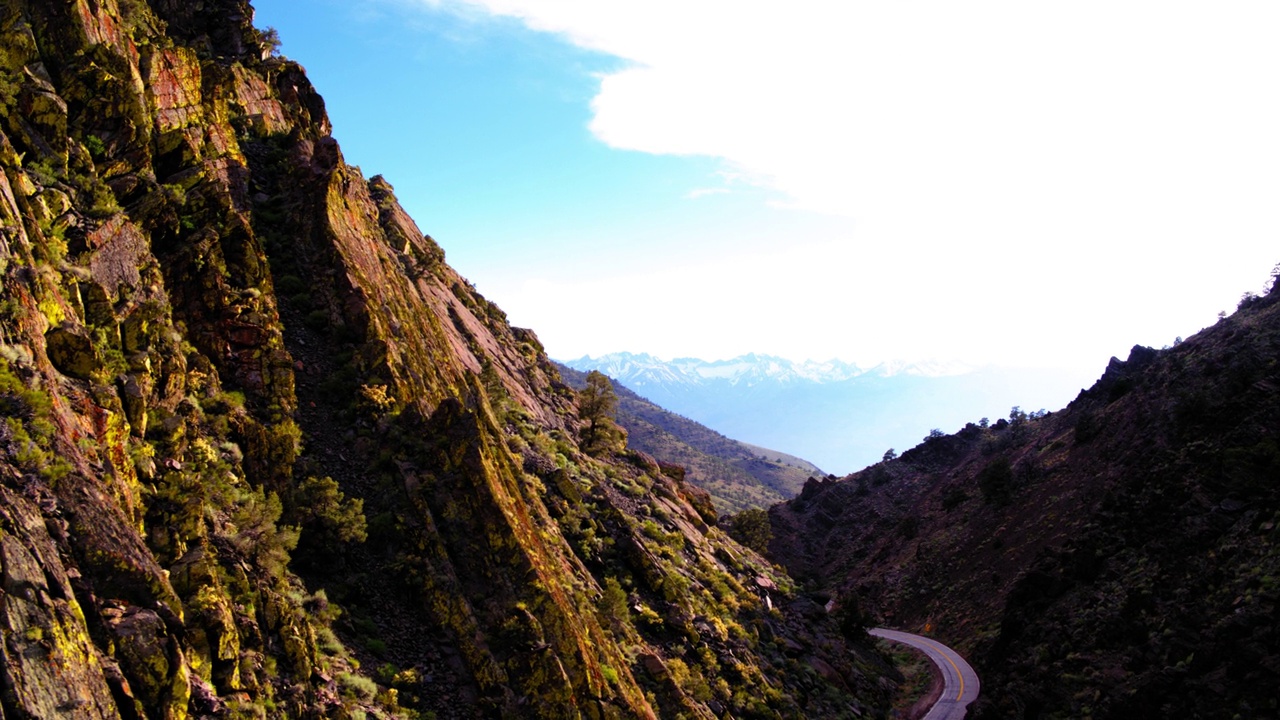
(1105, 172)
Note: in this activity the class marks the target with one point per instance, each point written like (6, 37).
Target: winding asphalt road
(960, 682)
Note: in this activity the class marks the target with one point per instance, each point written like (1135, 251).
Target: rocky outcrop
(265, 454)
(51, 668)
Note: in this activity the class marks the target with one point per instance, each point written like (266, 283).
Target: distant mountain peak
(838, 414)
(645, 370)
(923, 368)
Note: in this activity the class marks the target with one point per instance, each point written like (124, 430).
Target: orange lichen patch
(104, 28)
(258, 103)
(174, 80)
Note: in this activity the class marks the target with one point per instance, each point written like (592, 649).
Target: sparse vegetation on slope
(1115, 559)
(264, 454)
(738, 475)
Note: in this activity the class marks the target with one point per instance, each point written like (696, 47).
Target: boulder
(71, 351)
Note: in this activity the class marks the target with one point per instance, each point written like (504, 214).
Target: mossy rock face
(55, 203)
(134, 396)
(194, 570)
(48, 664)
(181, 177)
(211, 623)
(148, 652)
(71, 351)
(532, 659)
(290, 624)
(46, 115)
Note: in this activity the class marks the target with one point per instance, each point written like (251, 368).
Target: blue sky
(1010, 182)
(481, 126)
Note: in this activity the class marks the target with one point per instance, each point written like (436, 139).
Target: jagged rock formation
(221, 346)
(1116, 559)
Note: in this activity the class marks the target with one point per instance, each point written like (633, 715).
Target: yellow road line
(952, 663)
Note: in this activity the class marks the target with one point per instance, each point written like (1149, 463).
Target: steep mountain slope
(737, 475)
(256, 433)
(834, 414)
(1117, 559)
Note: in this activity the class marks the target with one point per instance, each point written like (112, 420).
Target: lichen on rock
(204, 305)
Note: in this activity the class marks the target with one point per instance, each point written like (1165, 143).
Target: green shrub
(284, 442)
(95, 146)
(328, 642)
(28, 413)
(651, 529)
(674, 587)
(327, 518)
(613, 604)
(317, 320)
(1087, 427)
(408, 679)
(954, 497)
(996, 482)
(291, 285)
(102, 202)
(386, 673)
(257, 534)
(750, 527)
(357, 687)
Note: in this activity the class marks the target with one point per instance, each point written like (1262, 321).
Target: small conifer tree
(597, 408)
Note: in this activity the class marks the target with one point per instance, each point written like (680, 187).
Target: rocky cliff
(1116, 559)
(264, 454)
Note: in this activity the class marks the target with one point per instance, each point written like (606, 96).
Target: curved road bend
(960, 682)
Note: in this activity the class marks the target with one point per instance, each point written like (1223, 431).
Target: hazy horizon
(841, 423)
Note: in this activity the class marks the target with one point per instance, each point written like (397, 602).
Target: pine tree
(597, 408)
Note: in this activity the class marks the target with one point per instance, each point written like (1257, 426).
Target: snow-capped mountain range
(836, 414)
(641, 370)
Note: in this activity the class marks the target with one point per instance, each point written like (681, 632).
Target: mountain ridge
(637, 368)
(264, 453)
(1114, 559)
(738, 476)
(834, 414)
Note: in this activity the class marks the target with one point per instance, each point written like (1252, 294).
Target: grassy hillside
(785, 459)
(737, 475)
